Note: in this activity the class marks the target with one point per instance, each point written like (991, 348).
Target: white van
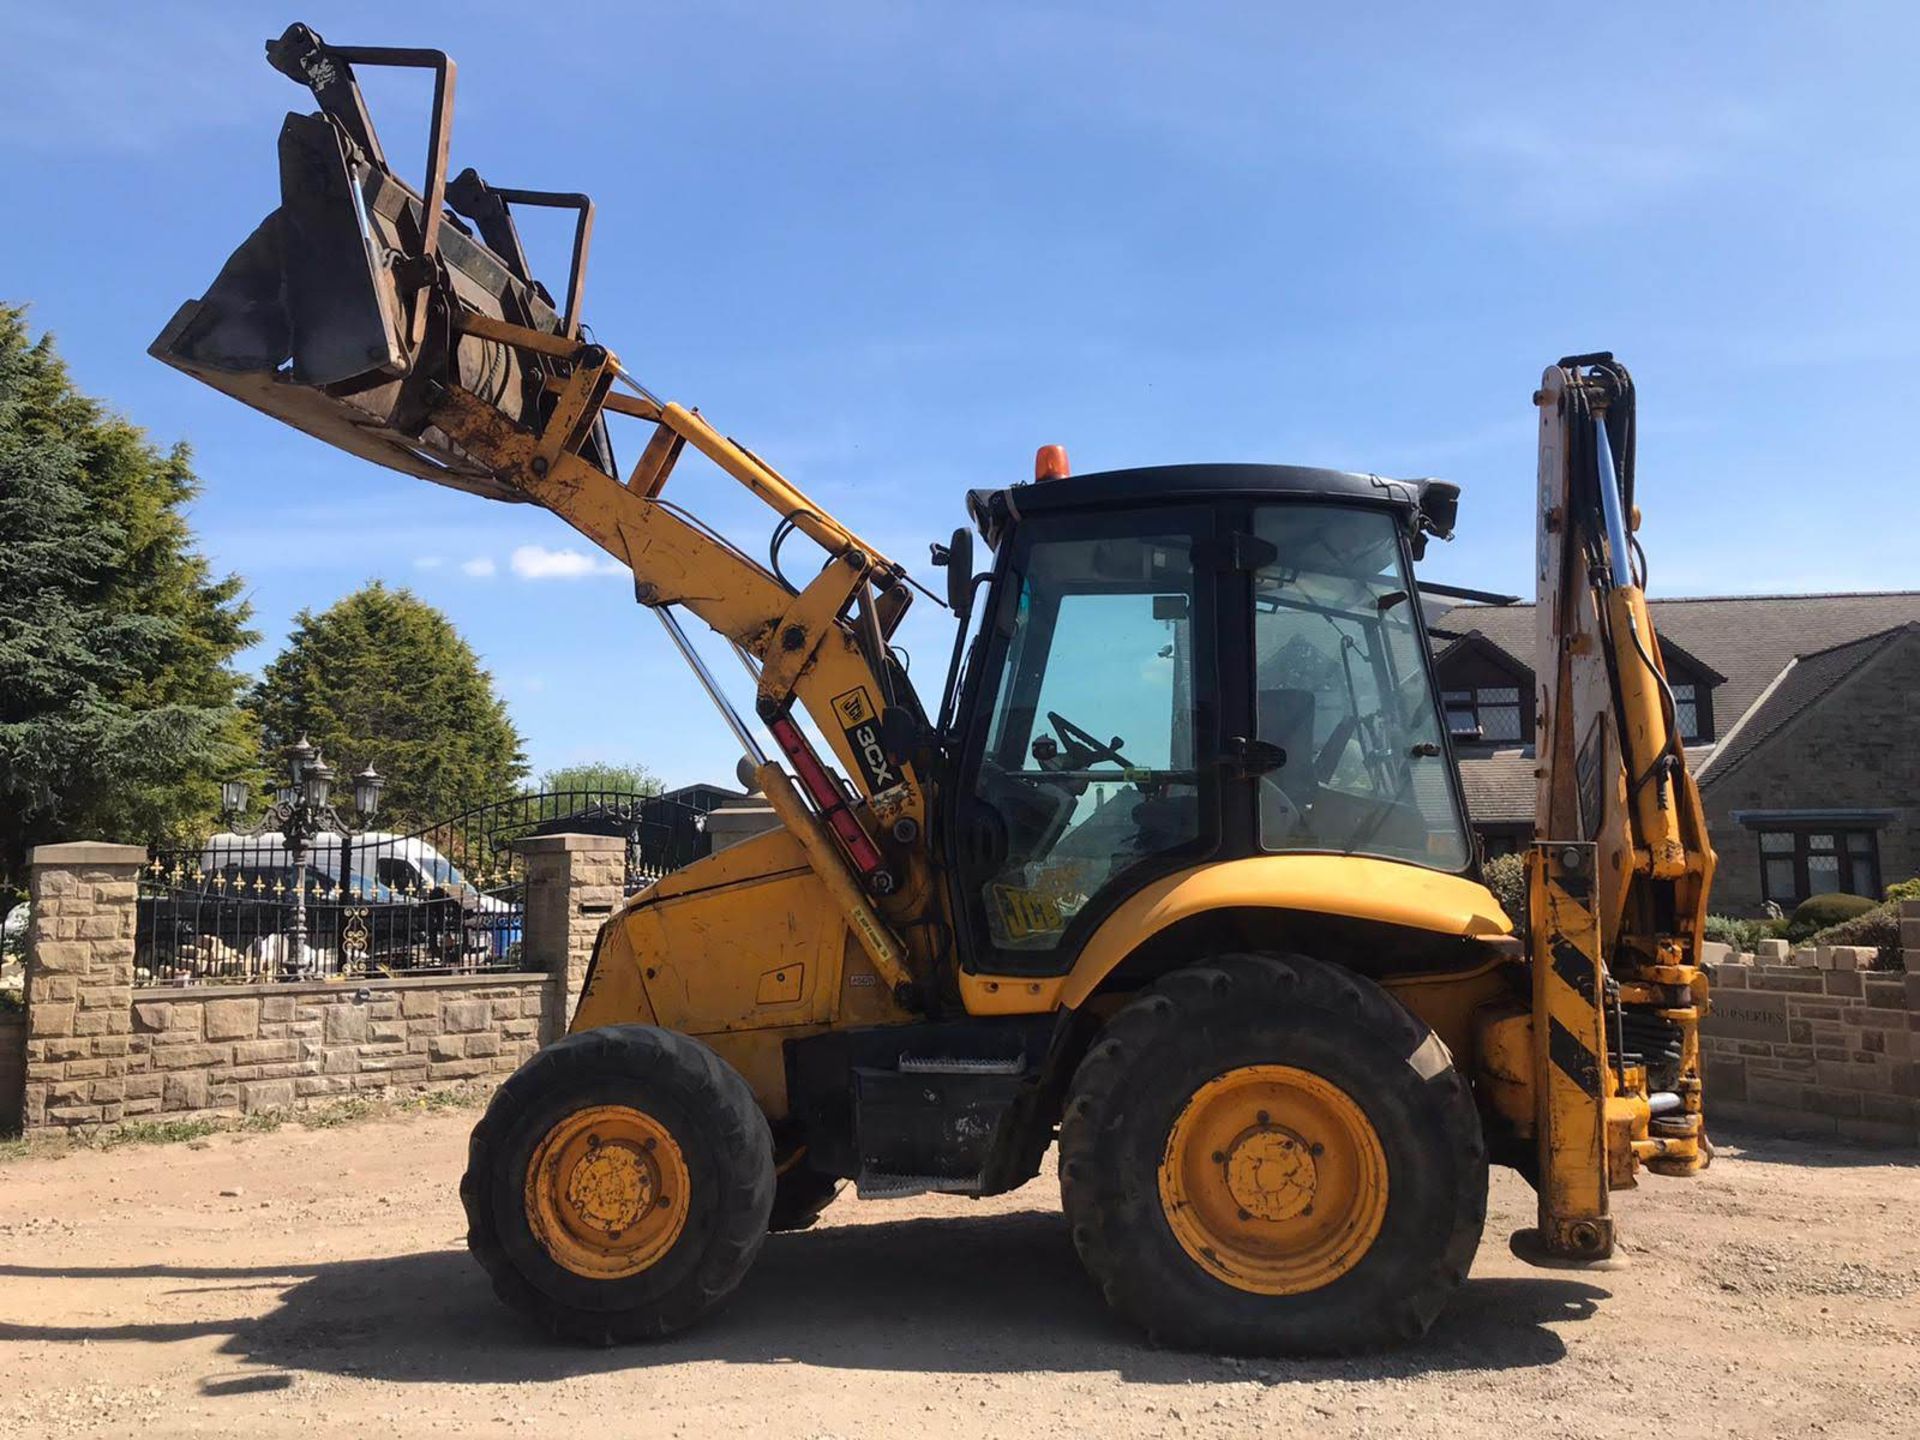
(391, 873)
(385, 866)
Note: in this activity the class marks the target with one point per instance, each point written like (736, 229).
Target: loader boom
(413, 344)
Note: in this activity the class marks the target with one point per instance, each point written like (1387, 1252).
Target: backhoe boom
(1619, 871)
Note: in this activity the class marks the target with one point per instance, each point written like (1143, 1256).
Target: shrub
(1817, 912)
(1905, 890)
(1506, 877)
(1879, 927)
(1740, 934)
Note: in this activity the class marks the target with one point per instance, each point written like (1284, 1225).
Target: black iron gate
(446, 899)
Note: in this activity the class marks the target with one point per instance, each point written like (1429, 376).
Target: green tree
(118, 710)
(383, 679)
(604, 776)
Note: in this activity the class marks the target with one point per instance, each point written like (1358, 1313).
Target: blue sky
(896, 247)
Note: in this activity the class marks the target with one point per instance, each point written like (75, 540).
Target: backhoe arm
(1619, 872)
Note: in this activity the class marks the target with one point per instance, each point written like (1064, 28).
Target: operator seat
(1287, 793)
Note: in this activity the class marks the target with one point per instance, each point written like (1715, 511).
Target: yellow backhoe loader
(1176, 873)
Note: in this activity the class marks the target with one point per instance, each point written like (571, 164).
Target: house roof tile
(1748, 639)
(1805, 681)
(1499, 786)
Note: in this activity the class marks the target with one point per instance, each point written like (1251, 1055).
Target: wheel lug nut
(649, 1143)
(1316, 1149)
(1261, 1117)
(1219, 1157)
(1243, 1215)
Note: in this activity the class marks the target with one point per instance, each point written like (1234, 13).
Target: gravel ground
(315, 1281)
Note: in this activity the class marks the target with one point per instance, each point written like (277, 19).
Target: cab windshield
(1344, 693)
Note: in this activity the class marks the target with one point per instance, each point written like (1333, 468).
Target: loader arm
(1619, 872)
(369, 315)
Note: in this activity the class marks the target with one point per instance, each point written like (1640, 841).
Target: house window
(1491, 712)
(1495, 843)
(1797, 863)
(1686, 708)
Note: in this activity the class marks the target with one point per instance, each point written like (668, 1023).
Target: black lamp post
(303, 811)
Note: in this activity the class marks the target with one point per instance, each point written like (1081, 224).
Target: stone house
(1801, 715)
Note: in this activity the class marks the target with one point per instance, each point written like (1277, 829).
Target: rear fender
(1437, 913)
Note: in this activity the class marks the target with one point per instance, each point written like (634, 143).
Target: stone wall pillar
(80, 982)
(574, 882)
(731, 824)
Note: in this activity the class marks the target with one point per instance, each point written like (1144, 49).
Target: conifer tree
(118, 713)
(382, 678)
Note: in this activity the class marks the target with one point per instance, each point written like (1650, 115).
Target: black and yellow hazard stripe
(1569, 1026)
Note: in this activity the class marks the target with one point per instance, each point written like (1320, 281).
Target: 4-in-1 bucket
(341, 313)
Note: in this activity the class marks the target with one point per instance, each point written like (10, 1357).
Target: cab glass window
(1089, 765)
(1343, 691)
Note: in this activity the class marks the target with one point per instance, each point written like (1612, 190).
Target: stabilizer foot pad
(1528, 1247)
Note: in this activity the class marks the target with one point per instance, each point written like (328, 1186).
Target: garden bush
(1878, 927)
(1817, 912)
(1506, 877)
(1742, 934)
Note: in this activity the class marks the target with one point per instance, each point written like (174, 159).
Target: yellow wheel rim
(607, 1191)
(1274, 1180)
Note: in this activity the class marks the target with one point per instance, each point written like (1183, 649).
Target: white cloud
(536, 562)
(480, 567)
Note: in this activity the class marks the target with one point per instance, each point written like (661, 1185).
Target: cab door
(1090, 756)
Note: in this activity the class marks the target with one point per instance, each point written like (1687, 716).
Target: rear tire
(618, 1186)
(1170, 1231)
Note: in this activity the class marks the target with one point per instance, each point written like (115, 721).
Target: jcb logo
(862, 727)
(853, 707)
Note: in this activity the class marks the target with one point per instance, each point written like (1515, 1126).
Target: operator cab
(1186, 664)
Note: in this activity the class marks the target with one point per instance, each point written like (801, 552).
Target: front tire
(618, 1186)
(1271, 1155)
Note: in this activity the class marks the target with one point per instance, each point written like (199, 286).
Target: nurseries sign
(1747, 1015)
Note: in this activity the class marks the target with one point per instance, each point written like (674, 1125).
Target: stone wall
(731, 824)
(13, 1067)
(79, 981)
(98, 1051)
(574, 882)
(244, 1049)
(1813, 1040)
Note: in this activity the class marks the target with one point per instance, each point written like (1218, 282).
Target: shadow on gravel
(1000, 1293)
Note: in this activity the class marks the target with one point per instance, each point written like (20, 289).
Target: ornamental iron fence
(446, 899)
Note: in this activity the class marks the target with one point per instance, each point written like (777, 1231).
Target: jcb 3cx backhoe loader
(1176, 872)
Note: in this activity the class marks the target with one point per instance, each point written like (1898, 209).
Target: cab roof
(1428, 505)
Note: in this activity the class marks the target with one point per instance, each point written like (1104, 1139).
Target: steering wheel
(1079, 743)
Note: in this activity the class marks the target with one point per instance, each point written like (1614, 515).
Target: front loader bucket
(340, 313)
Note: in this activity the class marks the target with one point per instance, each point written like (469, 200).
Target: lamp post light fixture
(303, 811)
(300, 754)
(367, 786)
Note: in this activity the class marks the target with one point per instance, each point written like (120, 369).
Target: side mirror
(957, 558)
